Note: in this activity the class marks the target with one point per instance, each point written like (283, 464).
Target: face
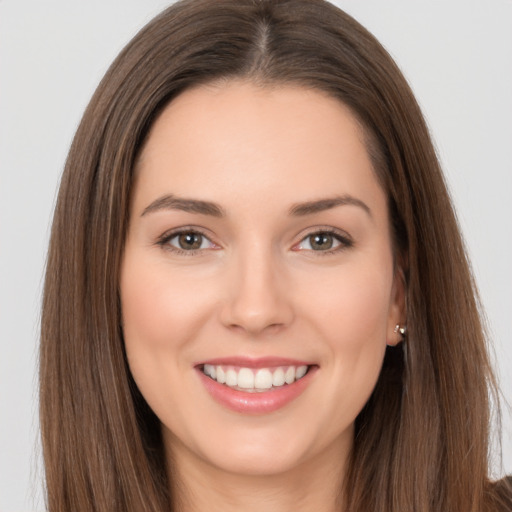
(258, 286)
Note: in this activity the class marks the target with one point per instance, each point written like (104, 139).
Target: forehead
(224, 141)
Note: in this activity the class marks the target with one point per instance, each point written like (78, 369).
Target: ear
(397, 309)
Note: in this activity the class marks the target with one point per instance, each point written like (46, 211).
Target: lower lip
(261, 402)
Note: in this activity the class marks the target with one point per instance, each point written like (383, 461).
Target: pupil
(321, 241)
(190, 241)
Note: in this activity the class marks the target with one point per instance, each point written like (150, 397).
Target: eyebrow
(311, 207)
(171, 202)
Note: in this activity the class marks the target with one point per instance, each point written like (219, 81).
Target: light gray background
(457, 55)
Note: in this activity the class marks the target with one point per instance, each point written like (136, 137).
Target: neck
(315, 484)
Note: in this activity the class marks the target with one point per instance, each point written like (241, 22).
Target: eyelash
(344, 240)
(164, 240)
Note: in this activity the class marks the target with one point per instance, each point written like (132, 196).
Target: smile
(255, 386)
(254, 380)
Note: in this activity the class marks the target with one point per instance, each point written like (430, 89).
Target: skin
(257, 287)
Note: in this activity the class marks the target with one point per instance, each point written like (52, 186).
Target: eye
(324, 241)
(186, 241)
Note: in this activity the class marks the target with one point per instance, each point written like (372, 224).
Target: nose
(258, 299)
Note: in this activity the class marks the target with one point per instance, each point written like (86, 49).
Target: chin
(259, 461)
(264, 451)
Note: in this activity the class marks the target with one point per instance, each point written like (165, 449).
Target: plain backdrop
(457, 55)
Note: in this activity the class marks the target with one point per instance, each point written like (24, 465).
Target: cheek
(156, 303)
(162, 313)
(350, 312)
(352, 305)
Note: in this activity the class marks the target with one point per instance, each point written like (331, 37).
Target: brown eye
(186, 241)
(324, 241)
(321, 241)
(190, 241)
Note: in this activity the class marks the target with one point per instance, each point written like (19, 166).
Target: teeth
(245, 378)
(301, 371)
(231, 378)
(209, 370)
(263, 379)
(278, 377)
(248, 379)
(221, 375)
(289, 376)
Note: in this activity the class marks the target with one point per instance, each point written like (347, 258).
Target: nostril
(256, 306)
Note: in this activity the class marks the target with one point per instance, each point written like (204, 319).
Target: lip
(263, 402)
(254, 362)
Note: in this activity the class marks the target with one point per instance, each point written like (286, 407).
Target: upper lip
(254, 362)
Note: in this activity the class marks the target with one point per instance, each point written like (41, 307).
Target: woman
(257, 294)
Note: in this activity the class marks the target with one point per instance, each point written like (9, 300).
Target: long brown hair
(421, 441)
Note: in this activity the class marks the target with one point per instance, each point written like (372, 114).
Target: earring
(401, 329)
